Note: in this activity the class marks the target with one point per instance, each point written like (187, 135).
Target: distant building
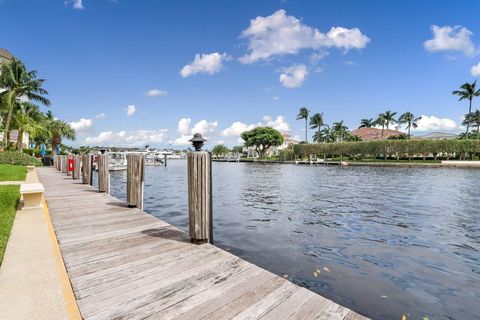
(6, 57)
(370, 134)
(437, 136)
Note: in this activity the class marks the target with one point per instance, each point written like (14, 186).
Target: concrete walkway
(32, 284)
(8, 183)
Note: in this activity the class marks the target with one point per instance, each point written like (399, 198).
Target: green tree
(28, 118)
(58, 130)
(385, 119)
(409, 119)
(340, 131)
(19, 83)
(237, 149)
(473, 119)
(303, 114)
(316, 122)
(262, 138)
(467, 92)
(220, 150)
(367, 123)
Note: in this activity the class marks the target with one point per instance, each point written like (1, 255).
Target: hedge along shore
(399, 149)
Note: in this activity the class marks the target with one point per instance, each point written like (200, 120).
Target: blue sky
(220, 67)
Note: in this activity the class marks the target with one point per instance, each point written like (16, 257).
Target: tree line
(21, 94)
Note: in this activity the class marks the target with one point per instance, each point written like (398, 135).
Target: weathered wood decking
(126, 264)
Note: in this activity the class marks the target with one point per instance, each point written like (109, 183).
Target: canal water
(384, 242)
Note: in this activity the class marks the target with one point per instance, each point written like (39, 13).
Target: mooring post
(103, 173)
(86, 169)
(165, 160)
(68, 165)
(77, 164)
(199, 192)
(135, 180)
(64, 164)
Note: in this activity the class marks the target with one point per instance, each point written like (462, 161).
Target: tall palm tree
(18, 83)
(385, 119)
(367, 123)
(28, 118)
(303, 114)
(316, 122)
(324, 135)
(340, 130)
(467, 91)
(409, 119)
(58, 129)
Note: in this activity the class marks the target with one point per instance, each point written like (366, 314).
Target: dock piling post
(199, 193)
(135, 180)
(77, 163)
(68, 165)
(64, 164)
(165, 160)
(103, 173)
(86, 169)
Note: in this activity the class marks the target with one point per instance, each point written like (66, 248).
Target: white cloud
(204, 63)
(82, 125)
(293, 76)
(238, 127)
(155, 92)
(350, 63)
(432, 123)
(276, 98)
(475, 70)
(131, 110)
(279, 123)
(124, 138)
(317, 56)
(279, 34)
(205, 128)
(100, 116)
(76, 4)
(448, 38)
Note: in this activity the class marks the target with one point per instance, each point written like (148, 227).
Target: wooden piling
(199, 196)
(69, 173)
(103, 173)
(135, 180)
(64, 164)
(87, 169)
(77, 164)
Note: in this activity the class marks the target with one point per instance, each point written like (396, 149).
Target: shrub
(17, 158)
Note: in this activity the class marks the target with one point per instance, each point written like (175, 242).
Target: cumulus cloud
(125, 138)
(280, 34)
(448, 38)
(208, 63)
(238, 127)
(432, 123)
(205, 128)
(82, 125)
(475, 70)
(155, 92)
(76, 4)
(131, 109)
(100, 116)
(293, 76)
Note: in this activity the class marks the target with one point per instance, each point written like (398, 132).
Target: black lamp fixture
(197, 141)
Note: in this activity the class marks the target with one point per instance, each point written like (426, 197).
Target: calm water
(387, 241)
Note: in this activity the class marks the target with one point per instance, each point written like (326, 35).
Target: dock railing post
(86, 169)
(64, 164)
(77, 164)
(103, 173)
(199, 192)
(135, 180)
(68, 165)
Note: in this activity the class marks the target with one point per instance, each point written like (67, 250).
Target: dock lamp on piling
(200, 192)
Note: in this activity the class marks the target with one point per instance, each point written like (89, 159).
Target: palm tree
(303, 114)
(473, 118)
(324, 135)
(367, 123)
(18, 83)
(316, 122)
(467, 91)
(58, 129)
(385, 119)
(409, 119)
(340, 130)
(28, 118)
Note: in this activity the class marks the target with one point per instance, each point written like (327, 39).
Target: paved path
(30, 280)
(126, 264)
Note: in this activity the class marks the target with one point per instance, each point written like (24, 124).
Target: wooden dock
(126, 264)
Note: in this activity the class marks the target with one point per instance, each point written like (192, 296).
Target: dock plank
(126, 264)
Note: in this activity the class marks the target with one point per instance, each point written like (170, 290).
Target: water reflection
(394, 240)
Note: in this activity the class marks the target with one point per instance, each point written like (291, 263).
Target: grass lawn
(10, 172)
(9, 198)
